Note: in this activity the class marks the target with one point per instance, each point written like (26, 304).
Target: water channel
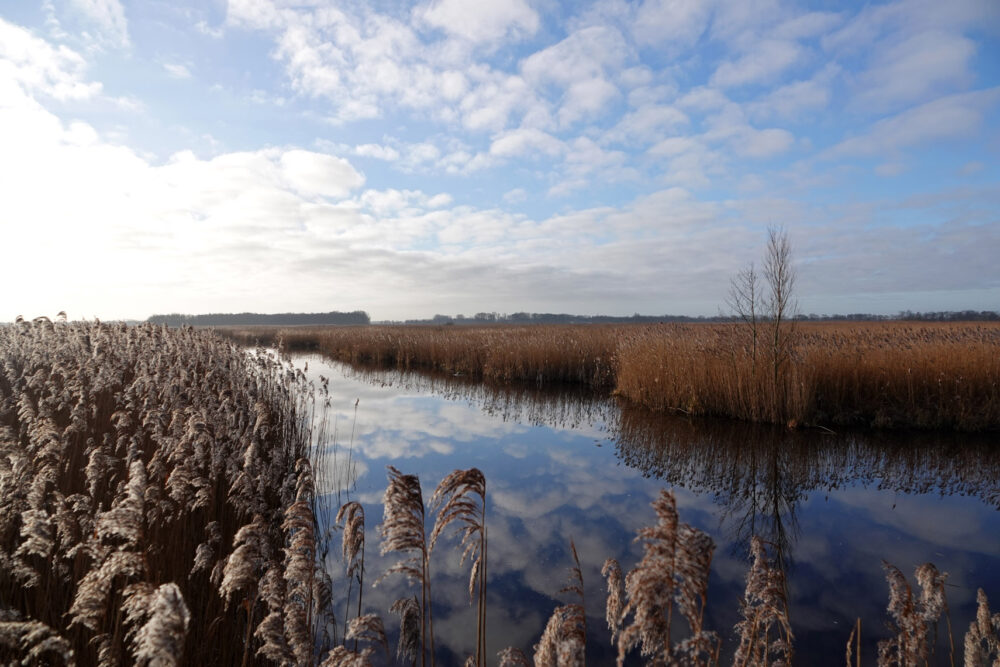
(564, 465)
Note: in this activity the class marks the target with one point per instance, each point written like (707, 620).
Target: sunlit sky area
(458, 156)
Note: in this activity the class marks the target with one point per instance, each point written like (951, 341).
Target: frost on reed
(912, 616)
(673, 572)
(765, 632)
(150, 501)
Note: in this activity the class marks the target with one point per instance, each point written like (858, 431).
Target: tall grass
(156, 500)
(886, 375)
(158, 506)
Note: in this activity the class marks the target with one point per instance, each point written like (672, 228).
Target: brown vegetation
(156, 500)
(887, 375)
(158, 506)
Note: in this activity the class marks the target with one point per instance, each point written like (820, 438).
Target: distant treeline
(564, 318)
(251, 319)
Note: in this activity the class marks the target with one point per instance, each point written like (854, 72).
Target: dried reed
(765, 632)
(148, 489)
(673, 571)
(456, 500)
(402, 530)
(897, 374)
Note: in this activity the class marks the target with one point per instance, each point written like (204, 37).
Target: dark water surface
(563, 465)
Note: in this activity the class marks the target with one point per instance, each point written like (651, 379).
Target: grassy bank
(887, 375)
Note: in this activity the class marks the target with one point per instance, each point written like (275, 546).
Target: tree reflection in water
(760, 480)
(757, 474)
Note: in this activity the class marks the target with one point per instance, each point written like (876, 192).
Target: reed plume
(408, 645)
(456, 499)
(160, 641)
(402, 531)
(34, 641)
(564, 641)
(911, 615)
(673, 571)
(612, 572)
(765, 632)
(982, 641)
(352, 515)
(512, 657)
(364, 628)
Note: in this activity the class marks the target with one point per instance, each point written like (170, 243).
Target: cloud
(109, 15)
(318, 174)
(377, 151)
(177, 71)
(647, 124)
(57, 72)
(915, 68)
(525, 141)
(792, 100)
(671, 24)
(762, 64)
(480, 22)
(950, 117)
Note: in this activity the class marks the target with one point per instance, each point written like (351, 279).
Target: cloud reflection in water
(834, 506)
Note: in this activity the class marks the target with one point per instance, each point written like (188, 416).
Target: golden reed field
(887, 375)
(158, 506)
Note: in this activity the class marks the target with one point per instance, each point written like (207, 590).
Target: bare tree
(744, 301)
(778, 301)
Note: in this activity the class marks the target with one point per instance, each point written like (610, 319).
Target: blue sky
(452, 156)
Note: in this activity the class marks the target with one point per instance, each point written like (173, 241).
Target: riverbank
(883, 375)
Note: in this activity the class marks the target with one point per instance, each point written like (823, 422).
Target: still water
(563, 465)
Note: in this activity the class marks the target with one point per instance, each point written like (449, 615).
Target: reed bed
(158, 506)
(156, 501)
(884, 375)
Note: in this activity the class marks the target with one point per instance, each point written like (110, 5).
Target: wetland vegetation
(881, 374)
(169, 498)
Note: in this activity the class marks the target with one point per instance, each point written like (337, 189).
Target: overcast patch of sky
(410, 158)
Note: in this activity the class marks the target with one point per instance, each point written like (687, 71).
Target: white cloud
(914, 69)
(671, 24)
(109, 15)
(177, 71)
(318, 174)
(480, 22)
(377, 151)
(762, 64)
(950, 117)
(32, 62)
(585, 54)
(525, 141)
(647, 124)
(792, 99)
(731, 126)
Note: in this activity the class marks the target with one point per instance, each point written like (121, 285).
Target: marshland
(171, 497)
(884, 375)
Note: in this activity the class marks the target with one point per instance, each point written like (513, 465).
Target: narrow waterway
(564, 466)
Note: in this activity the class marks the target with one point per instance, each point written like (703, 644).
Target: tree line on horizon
(248, 319)
(566, 318)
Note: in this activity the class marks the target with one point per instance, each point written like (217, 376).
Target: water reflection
(561, 465)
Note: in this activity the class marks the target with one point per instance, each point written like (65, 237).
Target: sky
(464, 156)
